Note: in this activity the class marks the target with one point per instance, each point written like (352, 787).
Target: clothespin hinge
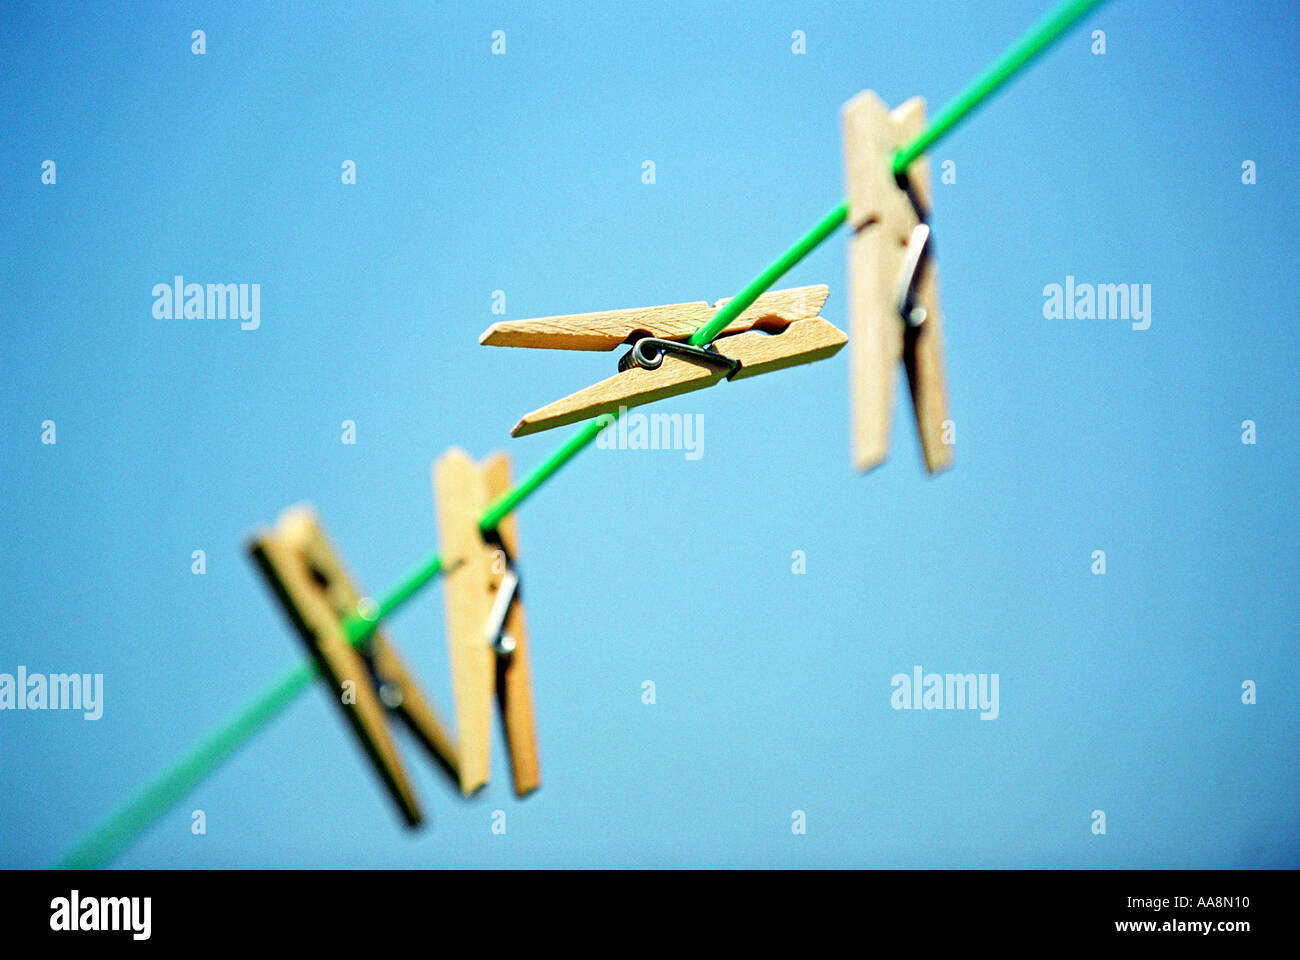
(909, 274)
(649, 352)
(497, 638)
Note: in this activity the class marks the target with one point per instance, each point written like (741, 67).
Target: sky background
(522, 173)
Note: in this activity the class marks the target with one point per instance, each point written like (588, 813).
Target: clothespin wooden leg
(412, 707)
(923, 358)
(302, 586)
(883, 213)
(514, 673)
(875, 346)
(460, 496)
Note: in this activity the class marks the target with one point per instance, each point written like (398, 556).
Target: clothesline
(125, 825)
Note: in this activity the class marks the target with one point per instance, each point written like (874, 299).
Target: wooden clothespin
(780, 329)
(893, 283)
(487, 638)
(318, 595)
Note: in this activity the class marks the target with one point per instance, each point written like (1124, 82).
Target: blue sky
(523, 173)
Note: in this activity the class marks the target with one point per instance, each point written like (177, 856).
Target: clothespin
(893, 282)
(318, 595)
(780, 329)
(486, 635)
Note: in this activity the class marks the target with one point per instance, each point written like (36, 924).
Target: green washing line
(506, 503)
(369, 615)
(110, 837)
(778, 269)
(1033, 42)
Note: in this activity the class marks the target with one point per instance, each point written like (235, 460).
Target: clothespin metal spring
(497, 638)
(908, 275)
(649, 352)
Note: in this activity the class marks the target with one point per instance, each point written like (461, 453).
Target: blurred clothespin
(893, 283)
(486, 635)
(780, 329)
(366, 680)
